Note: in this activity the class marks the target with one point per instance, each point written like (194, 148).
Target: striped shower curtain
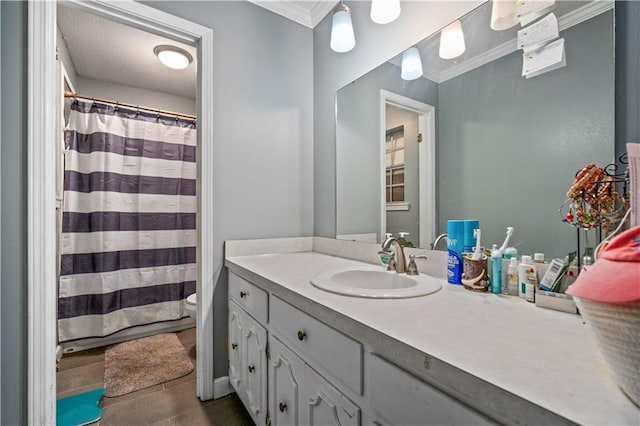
(128, 241)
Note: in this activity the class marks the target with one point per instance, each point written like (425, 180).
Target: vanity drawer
(251, 298)
(330, 349)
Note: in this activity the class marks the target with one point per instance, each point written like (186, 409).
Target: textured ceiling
(106, 50)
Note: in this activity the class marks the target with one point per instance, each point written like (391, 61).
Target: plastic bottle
(525, 269)
(530, 291)
(496, 270)
(510, 252)
(455, 230)
(512, 277)
(538, 257)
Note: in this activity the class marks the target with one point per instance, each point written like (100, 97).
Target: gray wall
(627, 74)
(13, 222)
(65, 58)
(406, 220)
(263, 79)
(375, 44)
(134, 95)
(358, 140)
(509, 147)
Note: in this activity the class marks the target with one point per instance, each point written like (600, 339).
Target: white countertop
(546, 357)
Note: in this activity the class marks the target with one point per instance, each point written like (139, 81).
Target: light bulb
(342, 37)
(173, 57)
(411, 64)
(503, 14)
(452, 41)
(384, 11)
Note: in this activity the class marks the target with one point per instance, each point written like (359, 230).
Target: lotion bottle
(496, 270)
(512, 277)
(525, 269)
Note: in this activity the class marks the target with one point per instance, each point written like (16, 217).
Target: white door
(255, 368)
(286, 372)
(235, 347)
(324, 405)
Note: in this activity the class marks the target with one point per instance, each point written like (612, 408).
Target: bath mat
(142, 363)
(80, 409)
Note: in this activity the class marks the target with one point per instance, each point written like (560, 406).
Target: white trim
(566, 21)
(128, 334)
(320, 10)
(427, 162)
(1, 115)
(205, 256)
(222, 387)
(296, 13)
(41, 214)
(395, 207)
(41, 189)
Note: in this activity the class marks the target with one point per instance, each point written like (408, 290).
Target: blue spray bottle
(455, 233)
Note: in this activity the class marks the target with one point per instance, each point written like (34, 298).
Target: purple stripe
(128, 184)
(84, 263)
(130, 113)
(107, 142)
(100, 304)
(117, 221)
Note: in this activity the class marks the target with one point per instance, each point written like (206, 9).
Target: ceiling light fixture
(342, 37)
(384, 11)
(173, 57)
(411, 64)
(452, 41)
(503, 14)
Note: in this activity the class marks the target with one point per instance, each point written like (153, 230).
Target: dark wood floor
(170, 403)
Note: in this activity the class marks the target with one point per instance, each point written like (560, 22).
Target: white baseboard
(128, 334)
(221, 387)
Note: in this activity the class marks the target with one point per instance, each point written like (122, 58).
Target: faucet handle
(412, 268)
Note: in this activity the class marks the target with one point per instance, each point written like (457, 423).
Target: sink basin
(375, 282)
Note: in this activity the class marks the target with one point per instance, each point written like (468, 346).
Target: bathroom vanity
(301, 355)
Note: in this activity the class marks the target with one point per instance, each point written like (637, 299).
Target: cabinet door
(235, 347)
(255, 368)
(286, 372)
(324, 405)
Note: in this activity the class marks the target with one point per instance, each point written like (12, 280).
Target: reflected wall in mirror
(506, 148)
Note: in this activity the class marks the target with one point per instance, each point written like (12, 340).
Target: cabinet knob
(301, 335)
(243, 293)
(234, 345)
(282, 406)
(251, 368)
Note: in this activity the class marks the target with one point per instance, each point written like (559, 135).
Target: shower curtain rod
(125, 104)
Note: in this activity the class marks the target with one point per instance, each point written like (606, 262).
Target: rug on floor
(142, 363)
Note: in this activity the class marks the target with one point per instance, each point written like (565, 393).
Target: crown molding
(320, 10)
(293, 10)
(566, 21)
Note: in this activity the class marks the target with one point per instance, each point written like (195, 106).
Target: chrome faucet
(434, 245)
(401, 263)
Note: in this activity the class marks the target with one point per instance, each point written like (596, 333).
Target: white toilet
(190, 304)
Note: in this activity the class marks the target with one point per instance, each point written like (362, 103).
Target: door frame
(41, 139)
(426, 163)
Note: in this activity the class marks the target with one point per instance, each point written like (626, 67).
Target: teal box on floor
(80, 409)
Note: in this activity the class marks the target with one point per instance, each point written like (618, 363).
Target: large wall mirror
(474, 139)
